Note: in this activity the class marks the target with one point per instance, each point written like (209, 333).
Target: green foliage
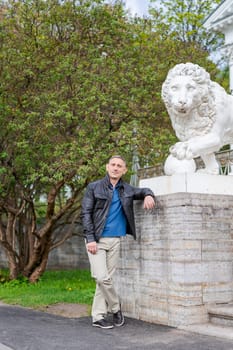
(76, 78)
(20, 282)
(4, 277)
(183, 19)
(72, 286)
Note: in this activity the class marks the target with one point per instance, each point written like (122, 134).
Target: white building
(221, 20)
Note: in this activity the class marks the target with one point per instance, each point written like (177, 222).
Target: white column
(228, 51)
(231, 76)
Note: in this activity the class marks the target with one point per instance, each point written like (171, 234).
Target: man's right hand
(92, 247)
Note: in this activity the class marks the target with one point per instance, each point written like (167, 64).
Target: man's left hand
(149, 202)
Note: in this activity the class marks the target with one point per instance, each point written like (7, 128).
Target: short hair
(117, 156)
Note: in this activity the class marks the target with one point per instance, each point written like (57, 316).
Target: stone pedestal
(182, 261)
(190, 183)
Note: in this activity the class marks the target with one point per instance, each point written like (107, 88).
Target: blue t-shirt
(115, 225)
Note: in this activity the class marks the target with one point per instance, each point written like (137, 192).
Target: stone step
(220, 322)
(221, 315)
(210, 330)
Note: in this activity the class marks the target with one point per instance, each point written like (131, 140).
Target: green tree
(56, 118)
(183, 19)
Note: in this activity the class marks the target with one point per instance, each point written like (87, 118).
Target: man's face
(116, 168)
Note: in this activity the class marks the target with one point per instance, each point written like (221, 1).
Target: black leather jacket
(97, 201)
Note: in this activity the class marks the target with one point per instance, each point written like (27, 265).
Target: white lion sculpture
(201, 113)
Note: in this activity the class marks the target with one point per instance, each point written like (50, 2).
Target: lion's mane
(201, 119)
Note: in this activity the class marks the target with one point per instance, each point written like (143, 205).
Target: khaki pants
(103, 265)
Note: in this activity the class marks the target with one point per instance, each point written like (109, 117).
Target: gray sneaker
(102, 324)
(118, 319)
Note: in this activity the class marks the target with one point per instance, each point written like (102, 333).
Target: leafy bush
(4, 277)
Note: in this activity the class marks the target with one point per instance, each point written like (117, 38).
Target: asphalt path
(26, 329)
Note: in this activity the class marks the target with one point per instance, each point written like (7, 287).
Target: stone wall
(182, 259)
(71, 255)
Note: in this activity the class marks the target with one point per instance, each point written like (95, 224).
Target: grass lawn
(71, 286)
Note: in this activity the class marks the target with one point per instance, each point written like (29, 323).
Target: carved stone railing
(224, 158)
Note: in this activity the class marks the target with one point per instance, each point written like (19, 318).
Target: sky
(139, 7)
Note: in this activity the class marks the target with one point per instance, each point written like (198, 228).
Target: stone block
(190, 183)
(218, 293)
(179, 315)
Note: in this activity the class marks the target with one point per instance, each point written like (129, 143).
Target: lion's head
(188, 97)
(186, 86)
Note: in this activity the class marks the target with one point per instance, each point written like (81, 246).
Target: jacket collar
(108, 184)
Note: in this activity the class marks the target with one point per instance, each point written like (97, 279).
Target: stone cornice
(221, 17)
(222, 23)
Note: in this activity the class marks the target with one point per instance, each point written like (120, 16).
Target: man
(107, 215)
